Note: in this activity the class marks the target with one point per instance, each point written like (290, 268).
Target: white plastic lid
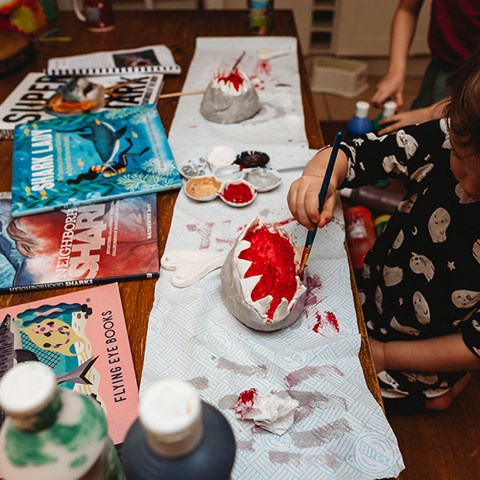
(389, 108)
(361, 109)
(27, 388)
(170, 410)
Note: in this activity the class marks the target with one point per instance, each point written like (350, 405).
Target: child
(420, 285)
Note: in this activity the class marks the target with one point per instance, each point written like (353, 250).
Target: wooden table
(177, 30)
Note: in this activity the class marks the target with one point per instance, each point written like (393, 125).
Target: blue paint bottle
(178, 436)
(359, 124)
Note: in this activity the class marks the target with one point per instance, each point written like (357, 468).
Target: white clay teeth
(248, 284)
(263, 305)
(282, 310)
(243, 266)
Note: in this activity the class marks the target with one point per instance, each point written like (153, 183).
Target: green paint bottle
(51, 433)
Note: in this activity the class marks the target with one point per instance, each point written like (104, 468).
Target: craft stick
(181, 94)
(321, 199)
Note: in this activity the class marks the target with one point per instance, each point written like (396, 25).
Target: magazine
(148, 59)
(82, 336)
(39, 97)
(94, 157)
(87, 245)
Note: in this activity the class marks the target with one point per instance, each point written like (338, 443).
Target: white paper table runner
(339, 429)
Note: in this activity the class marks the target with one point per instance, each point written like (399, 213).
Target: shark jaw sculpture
(260, 284)
(230, 98)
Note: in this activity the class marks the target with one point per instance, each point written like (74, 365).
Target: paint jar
(52, 433)
(360, 234)
(178, 436)
(260, 16)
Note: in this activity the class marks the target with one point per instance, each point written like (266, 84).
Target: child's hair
(463, 108)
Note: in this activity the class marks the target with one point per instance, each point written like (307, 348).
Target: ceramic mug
(97, 14)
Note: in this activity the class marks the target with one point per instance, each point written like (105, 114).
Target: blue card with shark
(71, 161)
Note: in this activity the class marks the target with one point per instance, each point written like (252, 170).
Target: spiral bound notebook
(149, 59)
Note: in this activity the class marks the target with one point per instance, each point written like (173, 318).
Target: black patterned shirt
(422, 277)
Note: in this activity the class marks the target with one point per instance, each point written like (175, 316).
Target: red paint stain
(272, 256)
(317, 325)
(233, 78)
(332, 320)
(263, 66)
(248, 396)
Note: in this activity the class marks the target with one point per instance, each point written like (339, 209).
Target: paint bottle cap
(361, 109)
(170, 412)
(389, 108)
(27, 389)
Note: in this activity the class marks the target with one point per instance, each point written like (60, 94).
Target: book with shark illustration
(82, 336)
(40, 97)
(86, 245)
(94, 157)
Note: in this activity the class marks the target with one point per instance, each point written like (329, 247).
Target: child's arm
(447, 353)
(303, 194)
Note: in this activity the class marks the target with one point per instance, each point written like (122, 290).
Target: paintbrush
(239, 59)
(321, 199)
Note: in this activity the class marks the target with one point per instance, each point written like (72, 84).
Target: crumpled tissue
(271, 412)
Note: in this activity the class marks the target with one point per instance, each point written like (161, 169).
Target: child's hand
(304, 203)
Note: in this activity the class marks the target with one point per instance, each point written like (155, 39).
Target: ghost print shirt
(422, 277)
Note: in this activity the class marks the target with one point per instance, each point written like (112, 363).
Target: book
(87, 245)
(77, 160)
(40, 97)
(148, 59)
(83, 337)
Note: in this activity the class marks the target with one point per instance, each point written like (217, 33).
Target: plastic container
(360, 234)
(177, 436)
(382, 201)
(52, 433)
(347, 78)
(359, 124)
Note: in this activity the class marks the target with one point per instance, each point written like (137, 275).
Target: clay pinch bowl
(207, 179)
(234, 203)
(251, 159)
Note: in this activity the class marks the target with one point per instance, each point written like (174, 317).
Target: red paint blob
(237, 193)
(272, 256)
(247, 396)
(234, 78)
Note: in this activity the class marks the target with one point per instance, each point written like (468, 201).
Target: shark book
(40, 97)
(93, 157)
(83, 337)
(86, 245)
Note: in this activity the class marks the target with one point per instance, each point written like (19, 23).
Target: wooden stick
(181, 94)
(239, 59)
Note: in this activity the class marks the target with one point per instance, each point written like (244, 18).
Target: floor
(330, 107)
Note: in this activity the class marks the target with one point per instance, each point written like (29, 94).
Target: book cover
(40, 97)
(83, 337)
(74, 161)
(147, 59)
(87, 245)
